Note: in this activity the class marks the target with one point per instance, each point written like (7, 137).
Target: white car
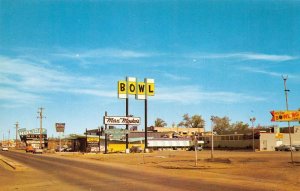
(4, 148)
(37, 150)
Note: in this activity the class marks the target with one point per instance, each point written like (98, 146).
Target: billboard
(32, 131)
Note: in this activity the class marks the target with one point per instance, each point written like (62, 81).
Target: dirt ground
(255, 170)
(270, 170)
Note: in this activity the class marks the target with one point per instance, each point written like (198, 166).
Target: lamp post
(252, 121)
(287, 108)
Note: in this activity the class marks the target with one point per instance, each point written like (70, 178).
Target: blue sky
(223, 58)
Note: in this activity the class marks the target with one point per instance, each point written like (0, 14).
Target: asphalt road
(95, 175)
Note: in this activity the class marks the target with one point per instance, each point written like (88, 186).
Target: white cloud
(23, 81)
(104, 53)
(192, 95)
(261, 71)
(247, 56)
(175, 77)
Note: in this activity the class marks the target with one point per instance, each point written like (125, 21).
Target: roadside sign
(285, 116)
(33, 131)
(116, 134)
(116, 120)
(279, 135)
(140, 89)
(60, 127)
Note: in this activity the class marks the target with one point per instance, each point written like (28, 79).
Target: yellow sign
(122, 89)
(131, 88)
(92, 139)
(150, 89)
(140, 89)
(285, 116)
(279, 135)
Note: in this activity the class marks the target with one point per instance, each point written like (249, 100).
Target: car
(284, 148)
(37, 150)
(192, 148)
(297, 147)
(4, 148)
(29, 148)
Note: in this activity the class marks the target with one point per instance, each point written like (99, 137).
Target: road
(58, 173)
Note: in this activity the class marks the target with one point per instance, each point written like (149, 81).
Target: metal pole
(127, 113)
(253, 137)
(287, 108)
(17, 126)
(212, 137)
(146, 113)
(105, 151)
(86, 142)
(8, 137)
(252, 121)
(60, 141)
(99, 139)
(40, 112)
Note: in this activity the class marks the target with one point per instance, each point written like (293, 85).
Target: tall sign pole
(141, 90)
(105, 151)
(146, 117)
(17, 127)
(287, 108)
(40, 112)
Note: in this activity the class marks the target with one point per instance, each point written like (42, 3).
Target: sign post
(60, 128)
(141, 90)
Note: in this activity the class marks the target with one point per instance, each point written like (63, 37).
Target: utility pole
(212, 137)
(17, 127)
(40, 112)
(252, 121)
(8, 137)
(287, 108)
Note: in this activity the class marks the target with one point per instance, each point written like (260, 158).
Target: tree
(240, 127)
(160, 123)
(221, 125)
(195, 121)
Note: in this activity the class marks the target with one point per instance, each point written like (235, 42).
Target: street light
(252, 121)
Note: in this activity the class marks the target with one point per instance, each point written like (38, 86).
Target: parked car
(63, 149)
(4, 148)
(284, 148)
(192, 148)
(297, 147)
(37, 150)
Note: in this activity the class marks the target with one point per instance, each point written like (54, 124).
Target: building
(268, 141)
(177, 131)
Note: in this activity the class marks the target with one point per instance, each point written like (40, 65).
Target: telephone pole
(8, 140)
(40, 112)
(17, 127)
(287, 108)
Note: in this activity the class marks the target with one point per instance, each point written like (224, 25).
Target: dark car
(284, 148)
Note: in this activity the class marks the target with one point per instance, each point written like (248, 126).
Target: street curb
(8, 163)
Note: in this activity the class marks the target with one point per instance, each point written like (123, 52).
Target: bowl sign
(140, 89)
(285, 116)
(116, 120)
